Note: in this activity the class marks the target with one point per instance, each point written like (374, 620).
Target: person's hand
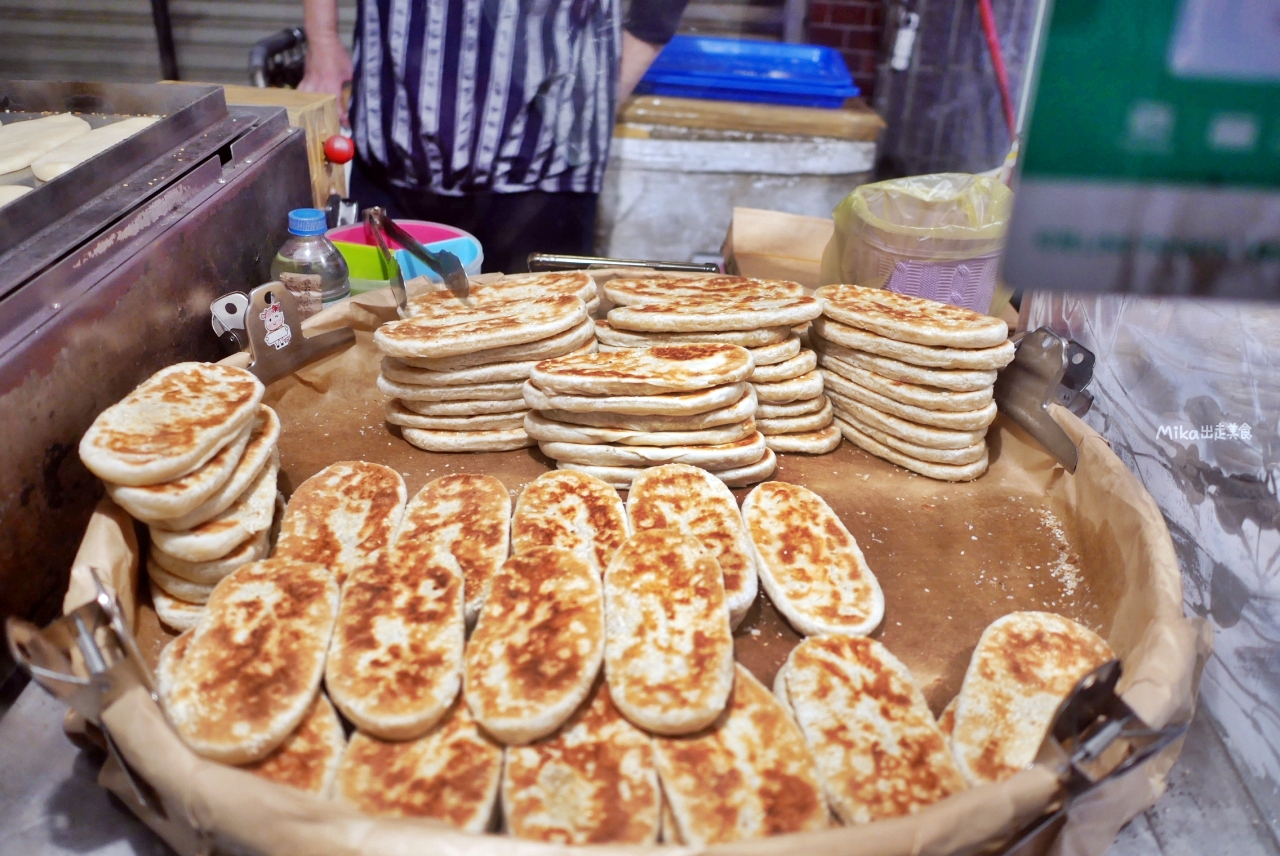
(328, 71)
(637, 56)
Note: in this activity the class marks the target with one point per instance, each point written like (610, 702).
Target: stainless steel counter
(50, 802)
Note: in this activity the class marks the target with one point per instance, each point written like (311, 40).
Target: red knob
(339, 149)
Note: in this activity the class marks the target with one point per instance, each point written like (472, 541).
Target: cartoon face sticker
(278, 333)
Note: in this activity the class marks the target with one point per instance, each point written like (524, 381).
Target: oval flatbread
(668, 647)
(398, 414)
(1025, 664)
(795, 408)
(342, 516)
(625, 291)
(203, 576)
(573, 511)
(644, 371)
(581, 335)
(739, 411)
(771, 354)
(592, 782)
(573, 283)
(695, 503)
(818, 442)
(622, 477)
(495, 440)
(249, 515)
(876, 744)
(802, 363)
(466, 408)
(726, 456)
(925, 454)
(549, 430)
(762, 336)
(260, 451)
(308, 758)
(972, 420)
(450, 774)
(276, 615)
(537, 646)
(815, 421)
(909, 394)
(941, 472)
(922, 435)
(450, 330)
(699, 314)
(972, 359)
(810, 565)
(957, 380)
(666, 404)
(171, 424)
(748, 776)
(911, 319)
(503, 391)
(805, 386)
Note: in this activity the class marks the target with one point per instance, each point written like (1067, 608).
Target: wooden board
(854, 121)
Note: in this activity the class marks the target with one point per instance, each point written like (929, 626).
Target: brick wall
(855, 27)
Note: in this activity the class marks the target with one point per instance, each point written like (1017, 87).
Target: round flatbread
(465, 408)
(806, 386)
(954, 457)
(398, 414)
(582, 335)
(624, 291)
(644, 371)
(972, 359)
(739, 411)
(802, 363)
(502, 440)
(666, 404)
(805, 422)
(697, 315)
(818, 442)
(911, 319)
(921, 435)
(972, 420)
(913, 395)
(171, 424)
(739, 453)
(941, 472)
(449, 330)
(548, 430)
(615, 337)
(795, 408)
(956, 381)
(503, 391)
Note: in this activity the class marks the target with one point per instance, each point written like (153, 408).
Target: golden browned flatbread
(574, 511)
(308, 758)
(911, 319)
(644, 371)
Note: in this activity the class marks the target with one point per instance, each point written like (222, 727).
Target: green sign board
(1152, 160)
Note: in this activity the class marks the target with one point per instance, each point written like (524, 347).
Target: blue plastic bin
(747, 70)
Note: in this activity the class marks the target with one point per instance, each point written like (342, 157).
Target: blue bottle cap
(307, 221)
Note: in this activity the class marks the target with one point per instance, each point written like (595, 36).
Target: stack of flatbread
(911, 380)
(613, 414)
(454, 368)
(766, 316)
(191, 453)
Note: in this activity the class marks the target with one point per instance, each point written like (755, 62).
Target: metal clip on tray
(1046, 369)
(88, 658)
(267, 324)
(1094, 737)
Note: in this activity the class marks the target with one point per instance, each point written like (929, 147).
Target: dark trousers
(509, 226)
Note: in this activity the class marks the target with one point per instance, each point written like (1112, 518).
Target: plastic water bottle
(309, 265)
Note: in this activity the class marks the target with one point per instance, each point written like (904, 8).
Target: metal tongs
(445, 264)
(1047, 369)
(1095, 737)
(88, 659)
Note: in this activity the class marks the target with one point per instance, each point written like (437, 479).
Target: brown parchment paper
(950, 557)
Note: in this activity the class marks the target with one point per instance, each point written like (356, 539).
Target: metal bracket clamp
(1046, 369)
(87, 659)
(267, 323)
(1094, 737)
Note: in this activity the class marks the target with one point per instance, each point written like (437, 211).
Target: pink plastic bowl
(424, 231)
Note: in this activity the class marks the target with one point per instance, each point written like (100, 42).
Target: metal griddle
(106, 275)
